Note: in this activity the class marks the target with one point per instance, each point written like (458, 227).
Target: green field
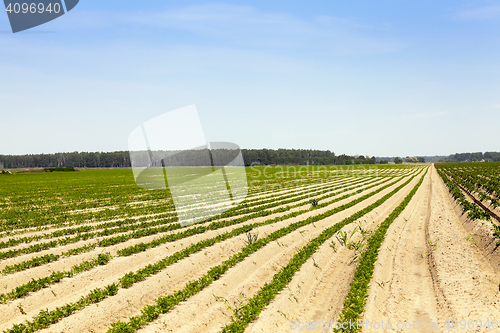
(63, 227)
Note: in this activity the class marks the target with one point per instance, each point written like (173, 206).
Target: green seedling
(471, 239)
(315, 264)
(383, 283)
(21, 309)
(345, 239)
(233, 308)
(342, 237)
(364, 232)
(333, 246)
(354, 258)
(432, 247)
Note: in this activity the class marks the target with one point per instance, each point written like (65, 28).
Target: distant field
(90, 251)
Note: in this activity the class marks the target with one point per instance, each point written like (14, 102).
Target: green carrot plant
(355, 300)
(164, 304)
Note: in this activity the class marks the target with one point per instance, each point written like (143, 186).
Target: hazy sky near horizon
(384, 78)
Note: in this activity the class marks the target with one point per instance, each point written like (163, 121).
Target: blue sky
(382, 78)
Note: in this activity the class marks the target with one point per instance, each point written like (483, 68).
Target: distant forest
(122, 159)
(250, 156)
(473, 157)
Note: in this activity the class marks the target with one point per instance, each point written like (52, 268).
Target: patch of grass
(432, 247)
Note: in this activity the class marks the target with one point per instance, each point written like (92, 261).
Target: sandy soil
(277, 196)
(210, 314)
(113, 249)
(202, 313)
(416, 282)
(71, 289)
(317, 291)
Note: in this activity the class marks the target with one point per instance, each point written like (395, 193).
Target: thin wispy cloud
(245, 26)
(491, 12)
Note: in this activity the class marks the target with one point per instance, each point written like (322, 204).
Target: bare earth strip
(414, 282)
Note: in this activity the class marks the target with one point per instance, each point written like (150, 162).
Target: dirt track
(415, 281)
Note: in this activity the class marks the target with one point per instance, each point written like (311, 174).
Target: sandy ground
(210, 314)
(416, 282)
(202, 313)
(263, 264)
(71, 289)
(152, 217)
(317, 291)
(60, 265)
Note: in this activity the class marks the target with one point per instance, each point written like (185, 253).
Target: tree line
(301, 157)
(473, 157)
(66, 160)
(120, 159)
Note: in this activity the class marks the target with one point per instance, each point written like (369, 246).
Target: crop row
(35, 285)
(150, 269)
(267, 293)
(221, 224)
(486, 177)
(474, 183)
(473, 211)
(109, 229)
(47, 200)
(140, 275)
(194, 230)
(60, 200)
(127, 225)
(45, 318)
(56, 314)
(355, 301)
(45, 259)
(151, 231)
